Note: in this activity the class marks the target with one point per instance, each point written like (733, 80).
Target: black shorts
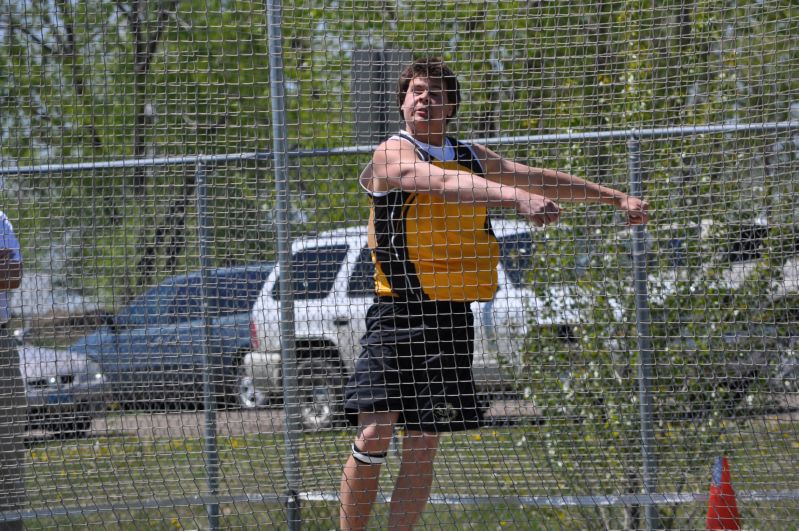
(416, 359)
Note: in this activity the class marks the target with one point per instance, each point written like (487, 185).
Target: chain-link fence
(182, 179)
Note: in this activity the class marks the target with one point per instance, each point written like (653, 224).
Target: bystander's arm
(10, 270)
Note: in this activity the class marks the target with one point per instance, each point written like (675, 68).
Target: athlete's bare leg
(415, 478)
(359, 481)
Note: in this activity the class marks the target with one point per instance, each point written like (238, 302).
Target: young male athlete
(434, 254)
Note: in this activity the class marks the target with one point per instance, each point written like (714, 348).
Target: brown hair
(430, 68)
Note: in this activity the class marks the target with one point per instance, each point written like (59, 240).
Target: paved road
(238, 422)
(152, 425)
(190, 424)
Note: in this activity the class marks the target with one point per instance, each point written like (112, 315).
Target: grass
(502, 461)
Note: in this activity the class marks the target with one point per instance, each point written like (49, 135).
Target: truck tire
(250, 397)
(320, 383)
(69, 425)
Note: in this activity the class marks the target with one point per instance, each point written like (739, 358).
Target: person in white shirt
(13, 407)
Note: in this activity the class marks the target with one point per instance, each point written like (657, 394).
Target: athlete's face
(426, 108)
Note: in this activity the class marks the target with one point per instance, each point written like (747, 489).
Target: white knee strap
(368, 459)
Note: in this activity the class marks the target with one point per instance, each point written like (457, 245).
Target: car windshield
(314, 271)
(153, 307)
(181, 298)
(226, 291)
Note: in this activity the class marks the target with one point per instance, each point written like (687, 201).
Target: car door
(159, 358)
(203, 329)
(184, 339)
(198, 323)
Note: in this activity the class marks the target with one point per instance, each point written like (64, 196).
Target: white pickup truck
(332, 287)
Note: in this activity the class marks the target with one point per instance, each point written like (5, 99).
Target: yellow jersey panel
(426, 248)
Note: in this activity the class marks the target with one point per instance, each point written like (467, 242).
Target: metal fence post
(645, 354)
(292, 426)
(210, 448)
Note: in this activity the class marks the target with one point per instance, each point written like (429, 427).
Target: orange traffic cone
(722, 509)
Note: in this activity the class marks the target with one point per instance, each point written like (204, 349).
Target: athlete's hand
(538, 209)
(635, 208)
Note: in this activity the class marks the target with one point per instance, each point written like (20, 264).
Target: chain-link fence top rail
(136, 303)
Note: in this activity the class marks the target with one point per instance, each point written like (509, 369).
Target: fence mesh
(181, 175)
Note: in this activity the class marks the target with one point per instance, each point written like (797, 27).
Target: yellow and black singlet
(425, 248)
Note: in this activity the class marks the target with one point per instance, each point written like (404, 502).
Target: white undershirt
(442, 153)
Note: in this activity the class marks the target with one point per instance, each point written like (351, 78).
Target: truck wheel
(250, 397)
(320, 390)
(71, 425)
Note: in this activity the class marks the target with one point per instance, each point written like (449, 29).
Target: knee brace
(368, 459)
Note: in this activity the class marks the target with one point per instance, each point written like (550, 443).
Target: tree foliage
(87, 80)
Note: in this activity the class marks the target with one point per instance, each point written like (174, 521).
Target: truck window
(516, 256)
(234, 294)
(314, 272)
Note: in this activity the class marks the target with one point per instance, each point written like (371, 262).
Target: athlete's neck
(433, 139)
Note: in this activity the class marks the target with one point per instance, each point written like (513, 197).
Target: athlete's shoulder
(394, 148)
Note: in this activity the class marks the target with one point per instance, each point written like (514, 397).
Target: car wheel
(250, 397)
(320, 389)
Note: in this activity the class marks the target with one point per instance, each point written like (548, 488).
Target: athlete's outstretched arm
(558, 185)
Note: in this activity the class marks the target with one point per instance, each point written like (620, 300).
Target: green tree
(96, 81)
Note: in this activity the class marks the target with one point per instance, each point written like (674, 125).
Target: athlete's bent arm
(395, 165)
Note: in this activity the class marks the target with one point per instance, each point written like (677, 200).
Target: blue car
(152, 353)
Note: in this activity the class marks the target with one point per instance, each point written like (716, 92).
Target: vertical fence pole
(645, 354)
(292, 427)
(210, 450)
